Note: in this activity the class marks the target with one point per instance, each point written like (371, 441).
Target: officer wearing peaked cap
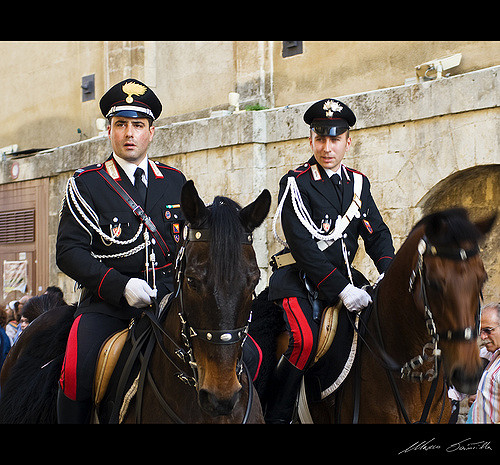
(324, 207)
(130, 98)
(121, 256)
(329, 117)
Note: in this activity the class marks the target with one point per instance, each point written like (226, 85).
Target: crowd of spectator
(18, 314)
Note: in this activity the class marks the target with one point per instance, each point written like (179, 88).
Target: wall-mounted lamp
(434, 69)
(88, 88)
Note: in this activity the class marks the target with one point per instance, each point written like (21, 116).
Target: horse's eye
(193, 283)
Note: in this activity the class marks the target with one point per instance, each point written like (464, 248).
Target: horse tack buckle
(189, 380)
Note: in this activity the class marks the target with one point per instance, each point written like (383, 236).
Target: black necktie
(139, 185)
(337, 182)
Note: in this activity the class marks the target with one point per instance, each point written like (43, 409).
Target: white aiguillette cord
(305, 219)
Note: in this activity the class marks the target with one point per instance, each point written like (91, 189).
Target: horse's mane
(32, 383)
(449, 227)
(226, 229)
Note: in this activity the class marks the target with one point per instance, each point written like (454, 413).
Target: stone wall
(409, 140)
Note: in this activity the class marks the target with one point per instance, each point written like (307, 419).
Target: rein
(155, 333)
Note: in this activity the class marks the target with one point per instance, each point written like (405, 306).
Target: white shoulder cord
(301, 212)
(303, 216)
(73, 197)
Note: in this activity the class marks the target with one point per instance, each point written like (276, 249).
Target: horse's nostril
(216, 406)
(465, 382)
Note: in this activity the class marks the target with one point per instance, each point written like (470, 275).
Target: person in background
(4, 339)
(19, 310)
(57, 291)
(37, 305)
(486, 407)
(12, 320)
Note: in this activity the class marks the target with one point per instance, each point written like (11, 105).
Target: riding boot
(284, 386)
(72, 411)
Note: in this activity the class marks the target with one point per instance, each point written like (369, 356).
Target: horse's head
(449, 276)
(219, 276)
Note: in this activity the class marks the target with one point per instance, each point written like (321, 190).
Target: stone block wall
(409, 140)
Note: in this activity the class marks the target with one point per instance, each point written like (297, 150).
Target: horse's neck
(401, 323)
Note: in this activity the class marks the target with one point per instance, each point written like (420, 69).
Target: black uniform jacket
(104, 279)
(326, 269)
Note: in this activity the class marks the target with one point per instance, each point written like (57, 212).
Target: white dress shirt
(130, 168)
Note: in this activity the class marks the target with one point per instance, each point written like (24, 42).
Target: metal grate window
(291, 48)
(17, 226)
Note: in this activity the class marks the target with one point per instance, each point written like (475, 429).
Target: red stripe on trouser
(68, 372)
(301, 333)
(260, 357)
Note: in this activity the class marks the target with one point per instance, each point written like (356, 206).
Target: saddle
(337, 344)
(117, 369)
(336, 354)
(122, 358)
(106, 362)
(328, 329)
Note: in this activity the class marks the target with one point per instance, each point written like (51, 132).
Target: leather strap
(137, 209)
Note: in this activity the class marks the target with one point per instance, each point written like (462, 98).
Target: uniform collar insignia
(155, 169)
(112, 170)
(315, 173)
(133, 88)
(330, 107)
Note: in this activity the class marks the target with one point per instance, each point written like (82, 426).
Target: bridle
(212, 336)
(468, 333)
(430, 351)
(188, 332)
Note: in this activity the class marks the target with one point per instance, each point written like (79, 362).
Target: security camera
(434, 69)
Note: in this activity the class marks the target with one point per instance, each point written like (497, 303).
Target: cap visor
(331, 131)
(130, 114)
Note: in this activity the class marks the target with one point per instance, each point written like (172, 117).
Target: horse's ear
(486, 224)
(254, 214)
(192, 206)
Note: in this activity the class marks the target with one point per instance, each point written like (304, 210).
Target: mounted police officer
(118, 234)
(325, 207)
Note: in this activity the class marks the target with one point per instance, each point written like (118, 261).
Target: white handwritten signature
(464, 445)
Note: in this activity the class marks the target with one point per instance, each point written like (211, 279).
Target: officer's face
(130, 137)
(329, 151)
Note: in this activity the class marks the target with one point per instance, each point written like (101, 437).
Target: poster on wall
(15, 276)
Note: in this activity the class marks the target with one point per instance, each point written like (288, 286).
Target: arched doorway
(478, 190)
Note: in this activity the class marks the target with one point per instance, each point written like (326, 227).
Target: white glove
(379, 279)
(354, 299)
(138, 293)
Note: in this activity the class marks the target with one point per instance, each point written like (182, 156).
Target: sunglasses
(488, 331)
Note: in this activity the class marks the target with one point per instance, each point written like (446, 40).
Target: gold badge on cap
(330, 106)
(133, 88)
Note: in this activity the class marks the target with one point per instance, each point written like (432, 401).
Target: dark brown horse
(217, 273)
(422, 331)
(195, 372)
